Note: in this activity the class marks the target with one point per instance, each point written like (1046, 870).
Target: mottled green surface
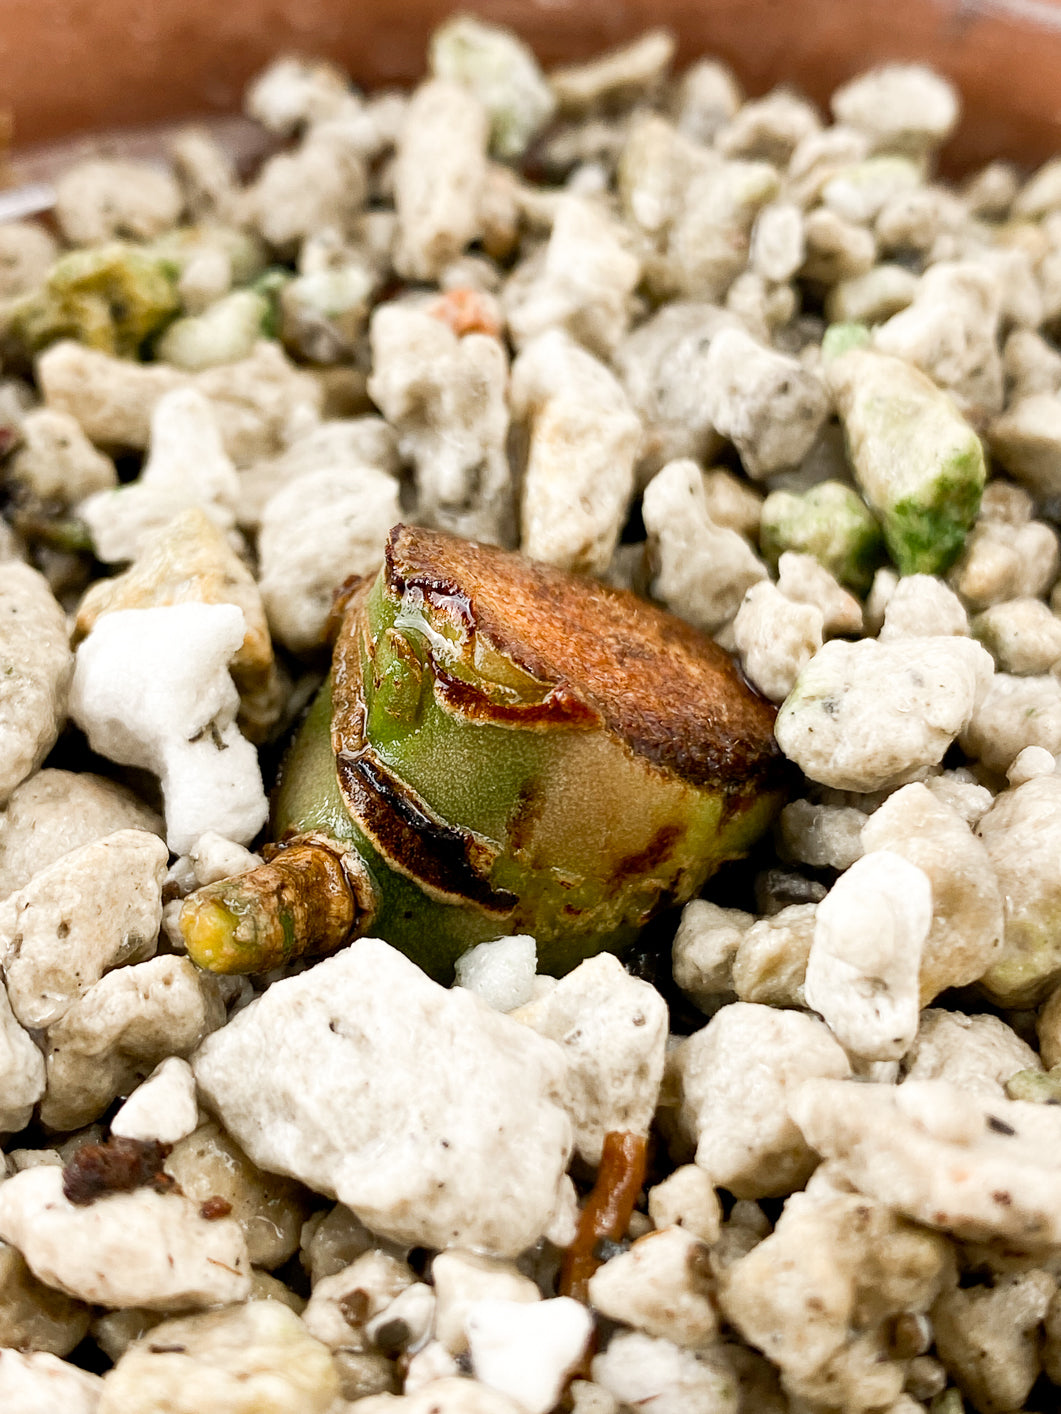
(112, 298)
(830, 522)
(916, 460)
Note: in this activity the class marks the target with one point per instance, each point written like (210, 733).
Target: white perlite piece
(256, 401)
(864, 715)
(1022, 635)
(989, 1337)
(687, 1199)
(771, 960)
(983, 1170)
(293, 92)
(439, 177)
(187, 466)
(466, 1278)
(1013, 714)
(270, 1210)
(1022, 834)
(804, 580)
(736, 1076)
(663, 1286)
(1002, 560)
(704, 948)
(527, 1350)
(317, 185)
(252, 1359)
(27, 252)
(823, 836)
(342, 1304)
(976, 1053)
(1026, 440)
(164, 1107)
(117, 1033)
(950, 332)
(702, 570)
(967, 919)
(152, 689)
(659, 1377)
(501, 972)
(447, 1395)
(821, 1296)
(35, 670)
(190, 560)
(662, 367)
(776, 638)
(104, 197)
(862, 973)
(39, 1383)
(125, 1249)
(21, 1071)
(55, 812)
(97, 908)
(56, 461)
(446, 397)
(584, 439)
(583, 282)
(901, 107)
(320, 1078)
(315, 532)
(339, 443)
(767, 403)
(462, 1280)
(503, 74)
(612, 1029)
(921, 606)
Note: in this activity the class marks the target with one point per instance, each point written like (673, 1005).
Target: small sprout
(465, 772)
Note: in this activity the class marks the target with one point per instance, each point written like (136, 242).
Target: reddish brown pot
(72, 66)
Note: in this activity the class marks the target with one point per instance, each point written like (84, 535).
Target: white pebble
(164, 1107)
(526, 1350)
(501, 972)
(862, 973)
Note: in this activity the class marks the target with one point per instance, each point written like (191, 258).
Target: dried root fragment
(607, 1210)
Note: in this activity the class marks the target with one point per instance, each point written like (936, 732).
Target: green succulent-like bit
(830, 522)
(509, 748)
(916, 460)
(503, 74)
(111, 297)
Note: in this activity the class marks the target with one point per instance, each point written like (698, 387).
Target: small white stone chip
(526, 1350)
(501, 972)
(163, 1107)
(436, 1119)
